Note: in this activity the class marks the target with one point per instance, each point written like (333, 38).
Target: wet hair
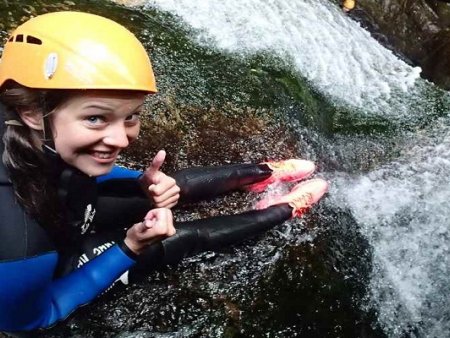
(29, 169)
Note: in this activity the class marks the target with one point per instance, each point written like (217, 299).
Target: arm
(153, 183)
(31, 299)
(121, 182)
(120, 173)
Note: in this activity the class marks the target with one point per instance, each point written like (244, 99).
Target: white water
(402, 208)
(334, 53)
(403, 211)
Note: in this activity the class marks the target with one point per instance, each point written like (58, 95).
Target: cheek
(133, 133)
(63, 146)
(68, 140)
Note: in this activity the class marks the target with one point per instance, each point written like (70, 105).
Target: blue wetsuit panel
(120, 182)
(31, 299)
(119, 173)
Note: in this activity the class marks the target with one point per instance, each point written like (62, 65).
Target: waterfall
(401, 207)
(403, 212)
(334, 53)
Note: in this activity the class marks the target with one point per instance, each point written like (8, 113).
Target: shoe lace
(302, 203)
(282, 166)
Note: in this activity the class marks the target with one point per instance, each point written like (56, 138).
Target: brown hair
(34, 185)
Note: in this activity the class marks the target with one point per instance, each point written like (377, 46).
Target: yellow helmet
(348, 5)
(73, 50)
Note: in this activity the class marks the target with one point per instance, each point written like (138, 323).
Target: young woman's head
(77, 81)
(90, 129)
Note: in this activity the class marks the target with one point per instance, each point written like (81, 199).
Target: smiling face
(91, 129)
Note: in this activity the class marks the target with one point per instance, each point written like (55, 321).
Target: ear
(32, 118)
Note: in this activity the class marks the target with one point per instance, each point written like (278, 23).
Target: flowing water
(400, 206)
(372, 259)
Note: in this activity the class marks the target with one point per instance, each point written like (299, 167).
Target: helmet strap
(48, 140)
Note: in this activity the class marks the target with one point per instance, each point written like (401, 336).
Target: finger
(157, 161)
(148, 178)
(152, 214)
(162, 183)
(139, 227)
(154, 181)
(169, 202)
(167, 218)
(172, 231)
(148, 223)
(167, 197)
(162, 223)
(161, 193)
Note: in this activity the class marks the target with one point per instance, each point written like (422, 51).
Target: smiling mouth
(104, 155)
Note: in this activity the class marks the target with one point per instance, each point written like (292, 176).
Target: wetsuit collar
(57, 164)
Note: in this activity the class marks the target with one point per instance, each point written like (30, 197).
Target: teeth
(103, 155)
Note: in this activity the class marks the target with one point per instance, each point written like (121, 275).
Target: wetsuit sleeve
(120, 212)
(121, 202)
(120, 182)
(119, 173)
(31, 299)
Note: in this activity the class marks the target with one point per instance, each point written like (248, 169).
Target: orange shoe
(300, 198)
(284, 171)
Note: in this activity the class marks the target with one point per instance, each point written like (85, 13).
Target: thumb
(149, 176)
(148, 222)
(158, 161)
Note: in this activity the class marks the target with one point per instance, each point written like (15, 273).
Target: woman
(71, 222)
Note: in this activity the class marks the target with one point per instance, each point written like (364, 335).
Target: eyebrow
(108, 109)
(141, 106)
(97, 106)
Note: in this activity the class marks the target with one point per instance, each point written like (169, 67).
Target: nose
(117, 136)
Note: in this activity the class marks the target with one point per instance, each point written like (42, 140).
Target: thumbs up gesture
(162, 189)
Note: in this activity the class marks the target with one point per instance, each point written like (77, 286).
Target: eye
(95, 119)
(133, 118)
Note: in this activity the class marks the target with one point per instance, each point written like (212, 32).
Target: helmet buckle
(50, 65)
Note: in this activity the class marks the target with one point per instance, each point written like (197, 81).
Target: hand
(162, 189)
(157, 225)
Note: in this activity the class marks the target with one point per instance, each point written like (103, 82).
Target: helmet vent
(30, 39)
(33, 40)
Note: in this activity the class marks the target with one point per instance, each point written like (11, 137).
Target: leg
(199, 183)
(207, 182)
(217, 232)
(208, 234)
(201, 235)
(191, 238)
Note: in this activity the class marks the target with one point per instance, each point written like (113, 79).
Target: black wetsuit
(30, 295)
(40, 285)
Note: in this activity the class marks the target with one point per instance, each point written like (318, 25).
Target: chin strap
(48, 135)
(49, 151)
(58, 169)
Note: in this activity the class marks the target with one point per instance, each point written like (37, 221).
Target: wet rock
(417, 30)
(213, 109)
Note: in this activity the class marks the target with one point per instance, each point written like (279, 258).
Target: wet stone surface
(304, 278)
